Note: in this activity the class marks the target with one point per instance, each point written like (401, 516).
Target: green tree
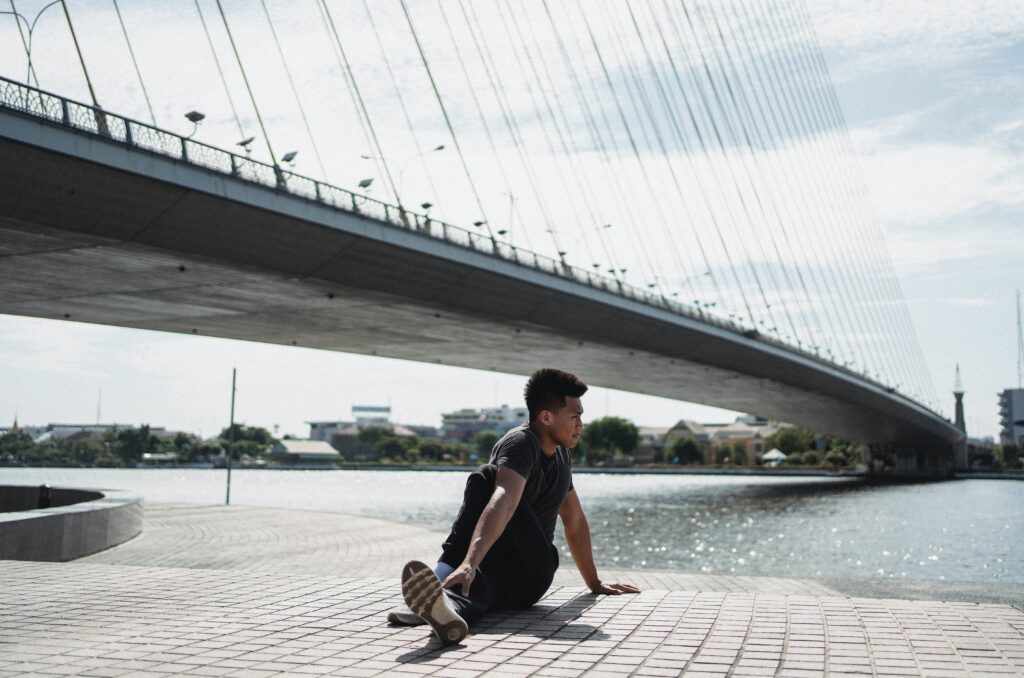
(253, 441)
(390, 447)
(371, 434)
(430, 449)
(130, 444)
(791, 439)
(1007, 456)
(835, 458)
(686, 450)
(810, 458)
(484, 442)
(723, 454)
(605, 436)
(17, 448)
(739, 453)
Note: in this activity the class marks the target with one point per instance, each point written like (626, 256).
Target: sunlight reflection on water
(965, 530)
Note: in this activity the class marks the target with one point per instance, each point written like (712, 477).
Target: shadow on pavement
(546, 621)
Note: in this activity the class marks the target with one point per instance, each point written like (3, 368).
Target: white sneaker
(403, 616)
(426, 599)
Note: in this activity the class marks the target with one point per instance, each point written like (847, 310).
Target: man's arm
(508, 490)
(577, 533)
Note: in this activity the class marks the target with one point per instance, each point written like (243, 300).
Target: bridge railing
(95, 120)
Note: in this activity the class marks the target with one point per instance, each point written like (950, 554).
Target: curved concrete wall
(77, 523)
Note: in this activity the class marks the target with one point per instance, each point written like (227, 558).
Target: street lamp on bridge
(402, 168)
(194, 117)
(30, 26)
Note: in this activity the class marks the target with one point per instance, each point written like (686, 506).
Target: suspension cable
(357, 97)
(149, 105)
(875, 242)
(220, 71)
(24, 43)
(447, 119)
(499, 90)
(295, 91)
(421, 154)
(476, 99)
(78, 49)
(248, 88)
(605, 147)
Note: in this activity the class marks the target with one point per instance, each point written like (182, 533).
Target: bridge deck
(94, 231)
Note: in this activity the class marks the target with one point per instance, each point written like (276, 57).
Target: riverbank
(614, 470)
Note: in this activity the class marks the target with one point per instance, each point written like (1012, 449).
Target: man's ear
(545, 417)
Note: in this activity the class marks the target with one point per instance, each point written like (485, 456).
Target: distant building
(78, 431)
(158, 460)
(651, 442)
(748, 430)
(465, 424)
(1011, 415)
(372, 415)
(325, 430)
(314, 454)
(343, 436)
(422, 431)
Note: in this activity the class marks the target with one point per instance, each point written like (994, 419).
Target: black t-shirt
(548, 479)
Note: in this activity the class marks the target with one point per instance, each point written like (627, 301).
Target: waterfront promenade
(241, 591)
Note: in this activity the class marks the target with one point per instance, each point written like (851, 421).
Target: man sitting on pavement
(500, 552)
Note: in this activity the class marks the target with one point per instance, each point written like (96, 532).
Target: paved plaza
(238, 591)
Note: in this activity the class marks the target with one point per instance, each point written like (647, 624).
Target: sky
(931, 93)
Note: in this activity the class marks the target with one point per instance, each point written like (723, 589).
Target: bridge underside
(97, 233)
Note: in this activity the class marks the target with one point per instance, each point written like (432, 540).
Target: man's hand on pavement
(613, 589)
(462, 577)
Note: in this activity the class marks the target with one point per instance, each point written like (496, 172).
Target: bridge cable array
(696, 149)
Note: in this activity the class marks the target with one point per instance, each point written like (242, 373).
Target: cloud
(876, 36)
(922, 183)
(1009, 126)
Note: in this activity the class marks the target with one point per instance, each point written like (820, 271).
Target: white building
(368, 416)
(466, 423)
(303, 454)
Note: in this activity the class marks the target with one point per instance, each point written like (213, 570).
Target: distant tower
(958, 393)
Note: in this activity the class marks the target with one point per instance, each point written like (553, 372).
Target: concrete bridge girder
(96, 232)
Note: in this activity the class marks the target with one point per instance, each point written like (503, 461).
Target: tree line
(608, 441)
(127, 447)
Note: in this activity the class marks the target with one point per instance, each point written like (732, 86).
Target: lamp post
(31, 26)
(194, 117)
(231, 438)
(402, 168)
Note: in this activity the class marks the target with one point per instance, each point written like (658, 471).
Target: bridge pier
(911, 461)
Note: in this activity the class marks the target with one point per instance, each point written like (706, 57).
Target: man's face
(567, 423)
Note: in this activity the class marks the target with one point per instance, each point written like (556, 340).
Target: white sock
(442, 570)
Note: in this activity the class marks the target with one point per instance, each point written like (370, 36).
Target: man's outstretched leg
(427, 600)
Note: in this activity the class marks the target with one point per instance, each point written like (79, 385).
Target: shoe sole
(425, 597)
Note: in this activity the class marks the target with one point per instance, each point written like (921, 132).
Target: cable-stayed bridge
(683, 222)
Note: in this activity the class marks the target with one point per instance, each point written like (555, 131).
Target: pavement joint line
(266, 614)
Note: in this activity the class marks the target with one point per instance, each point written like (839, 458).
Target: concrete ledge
(65, 531)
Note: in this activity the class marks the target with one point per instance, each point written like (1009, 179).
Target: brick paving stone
(240, 606)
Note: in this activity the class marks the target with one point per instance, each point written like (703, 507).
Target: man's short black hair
(547, 389)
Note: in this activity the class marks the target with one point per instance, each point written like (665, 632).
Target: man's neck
(547, 445)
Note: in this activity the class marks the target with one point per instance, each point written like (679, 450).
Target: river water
(965, 530)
